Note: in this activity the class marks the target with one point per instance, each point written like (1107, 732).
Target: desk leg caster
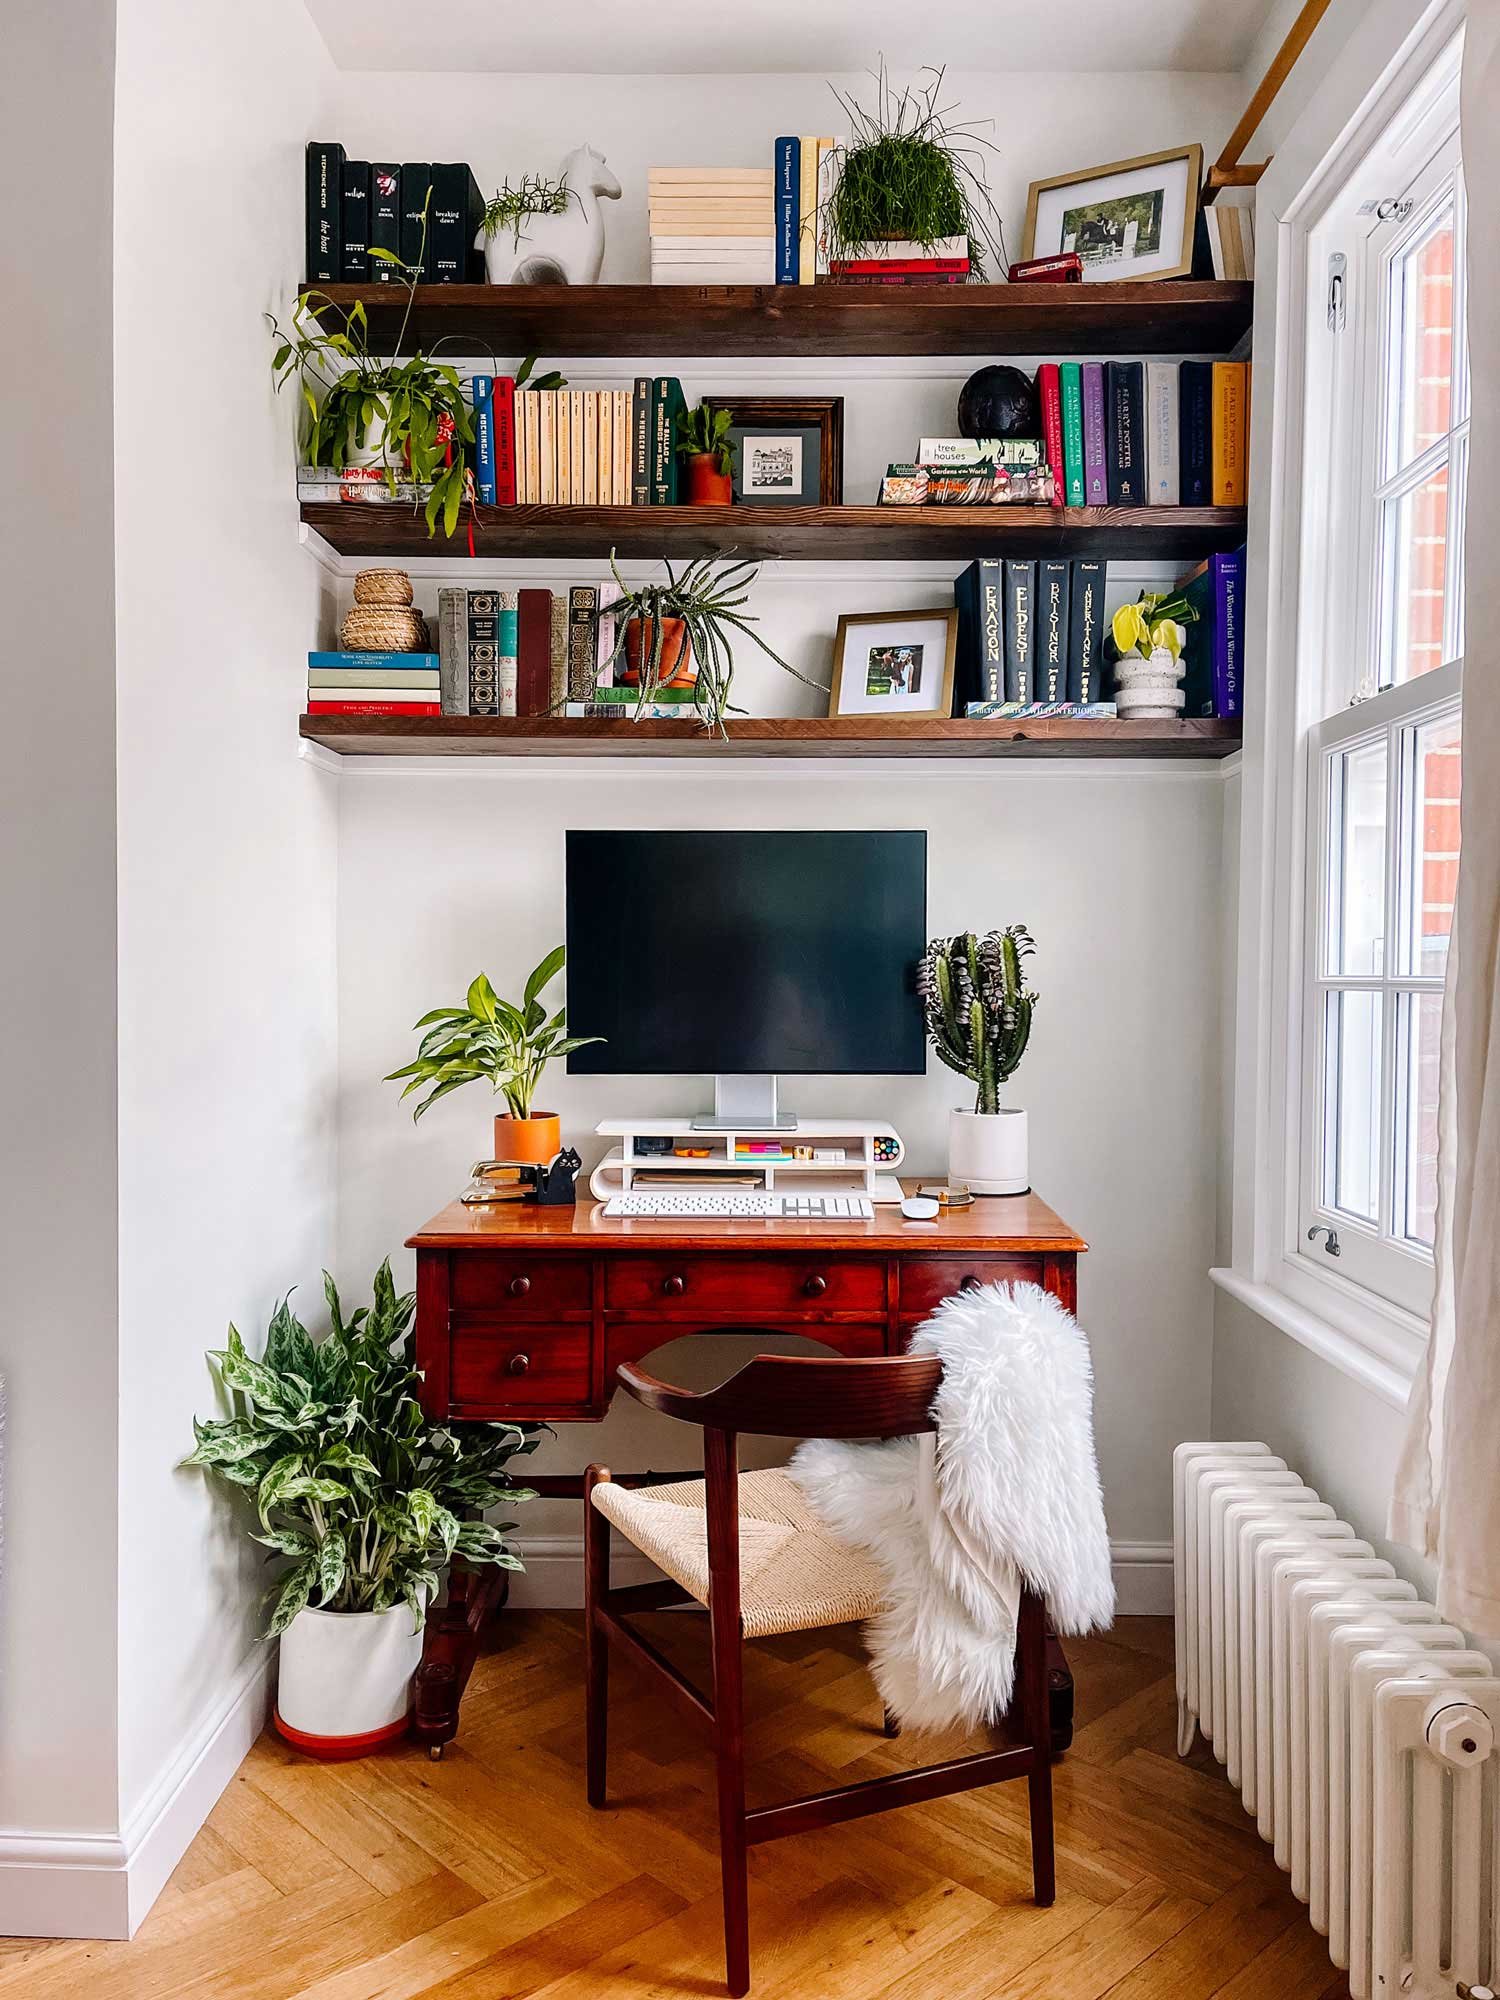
(435, 1752)
(449, 1650)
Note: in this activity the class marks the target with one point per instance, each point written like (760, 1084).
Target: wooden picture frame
(1107, 188)
(863, 637)
(808, 431)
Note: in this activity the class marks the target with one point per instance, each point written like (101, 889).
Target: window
(1384, 749)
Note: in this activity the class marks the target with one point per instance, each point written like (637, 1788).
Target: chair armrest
(685, 1404)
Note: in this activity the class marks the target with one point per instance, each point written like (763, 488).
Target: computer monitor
(746, 955)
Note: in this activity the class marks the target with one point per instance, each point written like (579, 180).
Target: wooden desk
(525, 1313)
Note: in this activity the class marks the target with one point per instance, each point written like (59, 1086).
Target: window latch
(1332, 1246)
(1338, 267)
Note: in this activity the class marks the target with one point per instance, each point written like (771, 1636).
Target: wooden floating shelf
(765, 736)
(1170, 317)
(808, 534)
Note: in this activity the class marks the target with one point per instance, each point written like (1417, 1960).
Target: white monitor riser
(860, 1172)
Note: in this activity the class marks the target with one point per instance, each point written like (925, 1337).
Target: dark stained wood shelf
(765, 736)
(1171, 317)
(828, 534)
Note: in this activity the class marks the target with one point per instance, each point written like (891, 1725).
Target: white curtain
(1447, 1495)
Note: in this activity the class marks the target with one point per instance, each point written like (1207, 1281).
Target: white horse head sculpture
(565, 249)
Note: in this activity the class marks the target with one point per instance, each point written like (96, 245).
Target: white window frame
(1381, 93)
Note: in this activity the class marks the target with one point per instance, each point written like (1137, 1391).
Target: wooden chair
(797, 1577)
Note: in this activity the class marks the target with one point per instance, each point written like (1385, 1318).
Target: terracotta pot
(706, 485)
(678, 667)
(536, 1139)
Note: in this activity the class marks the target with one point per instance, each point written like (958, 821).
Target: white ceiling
(695, 37)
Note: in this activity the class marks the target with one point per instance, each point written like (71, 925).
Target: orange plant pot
(678, 667)
(706, 485)
(536, 1140)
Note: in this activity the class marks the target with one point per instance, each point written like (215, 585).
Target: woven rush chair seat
(794, 1575)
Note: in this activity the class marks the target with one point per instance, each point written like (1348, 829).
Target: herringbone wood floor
(486, 1877)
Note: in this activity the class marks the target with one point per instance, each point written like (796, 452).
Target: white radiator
(1357, 1726)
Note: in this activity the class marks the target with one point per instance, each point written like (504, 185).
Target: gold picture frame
(895, 662)
(1110, 206)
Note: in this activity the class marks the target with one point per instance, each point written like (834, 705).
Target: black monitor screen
(746, 953)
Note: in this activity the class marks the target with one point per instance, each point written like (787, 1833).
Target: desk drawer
(773, 1285)
(927, 1281)
(519, 1285)
(518, 1374)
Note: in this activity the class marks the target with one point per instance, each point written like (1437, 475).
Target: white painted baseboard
(553, 1580)
(102, 1885)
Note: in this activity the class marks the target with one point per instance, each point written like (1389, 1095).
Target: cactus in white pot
(979, 1010)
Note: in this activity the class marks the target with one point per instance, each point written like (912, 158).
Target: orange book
(1231, 432)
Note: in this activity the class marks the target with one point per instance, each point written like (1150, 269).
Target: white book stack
(712, 226)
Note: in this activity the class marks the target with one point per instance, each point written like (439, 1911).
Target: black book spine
(1051, 682)
(385, 220)
(1085, 631)
(484, 652)
(325, 190)
(978, 595)
(1125, 429)
(355, 217)
(455, 219)
(1195, 436)
(416, 217)
(1020, 629)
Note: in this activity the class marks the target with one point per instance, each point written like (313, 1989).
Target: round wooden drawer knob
(815, 1286)
(675, 1286)
(970, 1283)
(519, 1287)
(518, 1364)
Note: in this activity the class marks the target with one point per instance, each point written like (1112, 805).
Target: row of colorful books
(427, 215)
(1031, 638)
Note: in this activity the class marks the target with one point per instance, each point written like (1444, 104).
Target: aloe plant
(349, 1479)
(978, 1006)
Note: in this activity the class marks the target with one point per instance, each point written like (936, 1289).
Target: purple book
(1229, 632)
(1095, 465)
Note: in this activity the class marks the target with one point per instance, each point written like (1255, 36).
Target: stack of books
(427, 214)
(1146, 433)
(893, 263)
(373, 684)
(535, 651)
(712, 226)
(1031, 638)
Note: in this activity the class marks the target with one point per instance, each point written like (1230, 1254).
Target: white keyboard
(730, 1202)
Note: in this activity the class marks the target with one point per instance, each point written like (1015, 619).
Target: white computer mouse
(919, 1208)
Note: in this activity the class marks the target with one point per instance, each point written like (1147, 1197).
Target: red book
(533, 651)
(374, 707)
(505, 440)
(885, 276)
(1064, 269)
(923, 266)
(1049, 394)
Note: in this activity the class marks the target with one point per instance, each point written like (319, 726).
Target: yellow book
(575, 447)
(1231, 431)
(807, 208)
(624, 431)
(591, 447)
(547, 446)
(530, 402)
(717, 178)
(604, 433)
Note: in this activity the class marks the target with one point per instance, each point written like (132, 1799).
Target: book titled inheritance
(1085, 632)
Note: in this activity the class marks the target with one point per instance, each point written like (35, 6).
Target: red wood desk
(526, 1312)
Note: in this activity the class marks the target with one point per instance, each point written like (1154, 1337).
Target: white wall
(57, 919)
(227, 846)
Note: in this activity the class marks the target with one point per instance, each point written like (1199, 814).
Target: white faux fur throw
(1007, 1489)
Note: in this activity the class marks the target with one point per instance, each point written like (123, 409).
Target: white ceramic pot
(372, 451)
(988, 1149)
(345, 1682)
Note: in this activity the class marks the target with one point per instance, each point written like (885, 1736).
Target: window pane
(1416, 1129)
(1356, 844)
(1422, 341)
(1416, 551)
(1351, 1104)
(1429, 864)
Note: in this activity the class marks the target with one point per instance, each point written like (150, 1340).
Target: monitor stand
(741, 1101)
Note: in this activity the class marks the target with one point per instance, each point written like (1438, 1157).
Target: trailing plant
(909, 172)
(489, 1037)
(349, 1479)
(1155, 620)
(978, 1006)
(533, 195)
(710, 600)
(704, 433)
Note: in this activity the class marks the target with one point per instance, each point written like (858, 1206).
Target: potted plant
(680, 634)
(508, 1045)
(364, 1498)
(708, 456)
(979, 1010)
(909, 174)
(1148, 640)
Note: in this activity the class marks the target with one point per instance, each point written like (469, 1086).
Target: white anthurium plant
(351, 1482)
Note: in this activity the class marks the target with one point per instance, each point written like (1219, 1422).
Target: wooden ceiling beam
(1227, 171)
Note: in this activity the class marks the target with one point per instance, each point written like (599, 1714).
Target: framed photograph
(894, 663)
(788, 450)
(1134, 219)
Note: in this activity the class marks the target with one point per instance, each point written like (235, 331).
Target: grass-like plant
(910, 172)
(349, 1480)
(533, 195)
(705, 433)
(490, 1038)
(978, 1006)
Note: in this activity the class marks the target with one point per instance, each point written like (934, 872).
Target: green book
(666, 401)
(640, 442)
(1071, 383)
